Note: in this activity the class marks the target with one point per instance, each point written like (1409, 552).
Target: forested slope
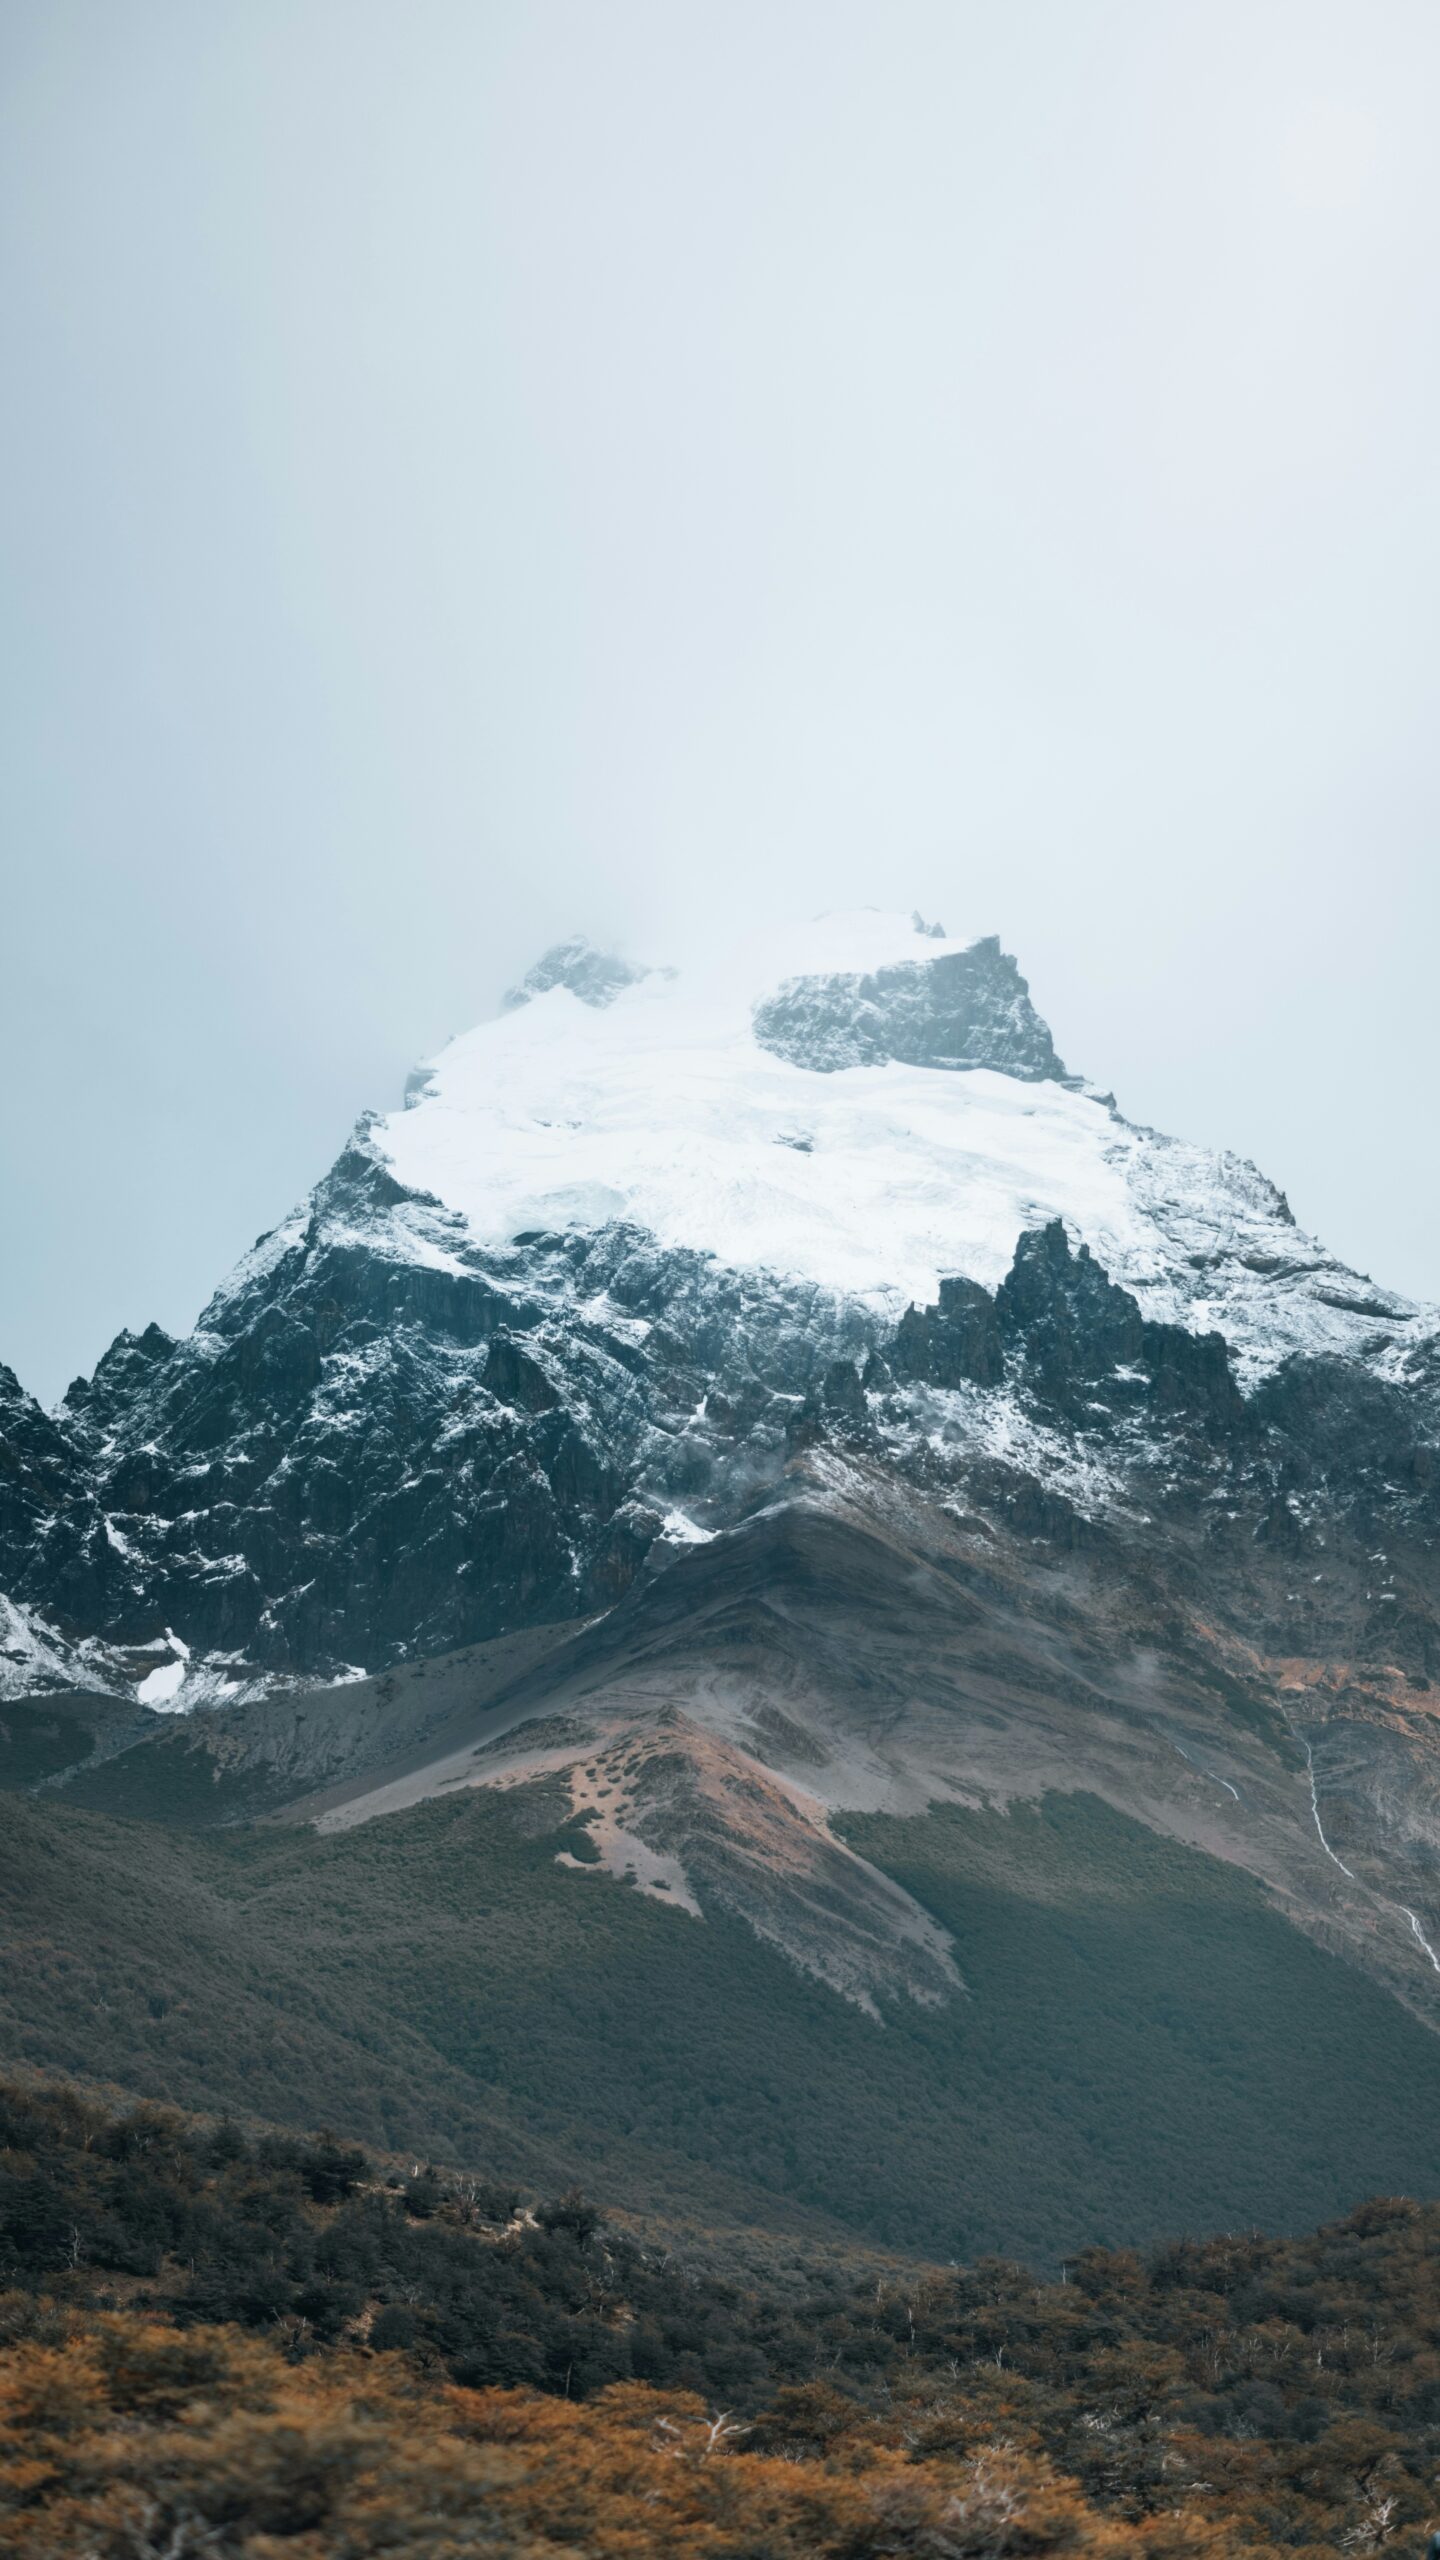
(1142, 2043)
(239, 2346)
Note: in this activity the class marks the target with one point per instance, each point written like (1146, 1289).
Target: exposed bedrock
(964, 1009)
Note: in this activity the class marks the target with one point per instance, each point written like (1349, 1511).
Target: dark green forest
(1144, 2045)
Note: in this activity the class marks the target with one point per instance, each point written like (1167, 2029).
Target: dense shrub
(215, 2344)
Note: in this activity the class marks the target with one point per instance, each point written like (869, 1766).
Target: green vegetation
(210, 2344)
(151, 2211)
(1144, 2045)
(41, 1736)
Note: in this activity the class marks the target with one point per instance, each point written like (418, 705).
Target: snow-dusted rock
(628, 1249)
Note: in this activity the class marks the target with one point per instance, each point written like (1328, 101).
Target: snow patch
(162, 1686)
(682, 1532)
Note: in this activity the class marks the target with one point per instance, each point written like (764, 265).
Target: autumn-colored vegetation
(212, 2345)
(121, 2438)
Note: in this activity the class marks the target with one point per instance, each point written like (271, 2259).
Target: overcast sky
(471, 470)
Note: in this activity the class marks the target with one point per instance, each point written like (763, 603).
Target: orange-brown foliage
(124, 2439)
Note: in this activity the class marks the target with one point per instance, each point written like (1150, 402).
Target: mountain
(907, 1537)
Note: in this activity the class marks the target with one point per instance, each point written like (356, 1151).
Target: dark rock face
(1076, 1327)
(120, 1374)
(38, 1472)
(362, 1456)
(836, 1407)
(1192, 1372)
(965, 1009)
(596, 977)
(383, 1442)
(956, 1342)
(1317, 1499)
(516, 1379)
(1353, 1426)
(1076, 1343)
(1085, 1348)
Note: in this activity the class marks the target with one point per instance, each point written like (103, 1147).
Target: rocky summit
(755, 1401)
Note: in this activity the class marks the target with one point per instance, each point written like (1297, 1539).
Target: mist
(472, 473)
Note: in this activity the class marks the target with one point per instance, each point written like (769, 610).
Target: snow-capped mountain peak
(572, 1306)
(865, 1106)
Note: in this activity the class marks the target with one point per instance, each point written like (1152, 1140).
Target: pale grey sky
(471, 470)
